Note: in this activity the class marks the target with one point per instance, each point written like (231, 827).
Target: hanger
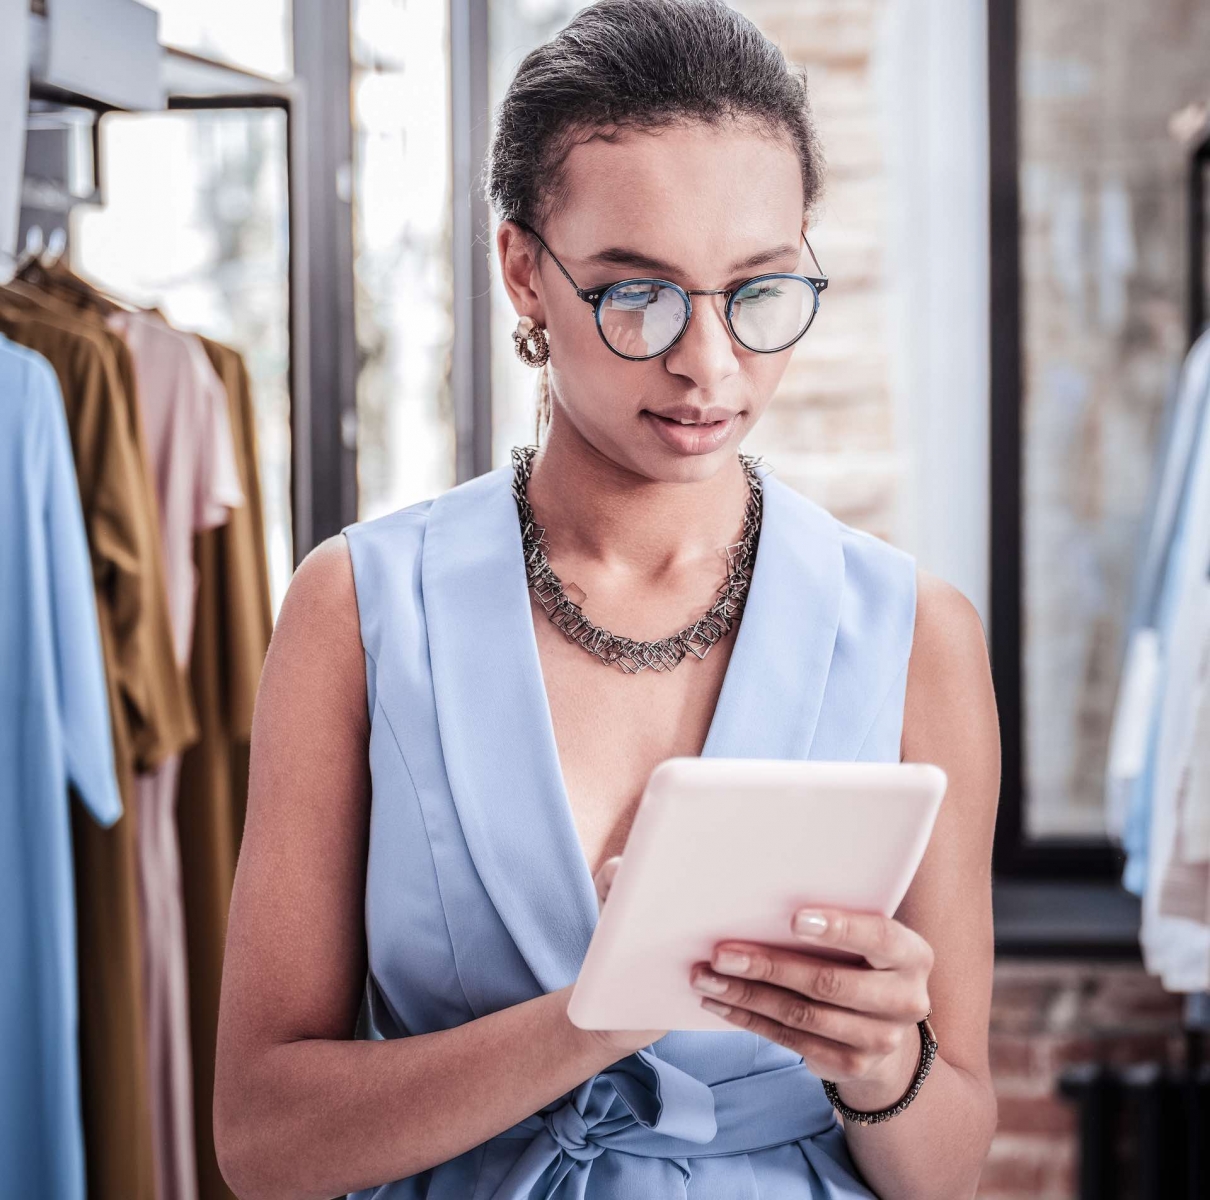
(1191, 125)
(46, 269)
(55, 247)
(41, 266)
(29, 253)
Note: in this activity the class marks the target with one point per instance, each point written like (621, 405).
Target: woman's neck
(607, 515)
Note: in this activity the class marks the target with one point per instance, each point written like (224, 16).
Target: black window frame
(1054, 895)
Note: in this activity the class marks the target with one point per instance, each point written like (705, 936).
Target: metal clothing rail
(191, 83)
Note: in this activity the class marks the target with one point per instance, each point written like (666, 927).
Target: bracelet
(928, 1051)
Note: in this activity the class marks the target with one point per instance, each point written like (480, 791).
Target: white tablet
(730, 848)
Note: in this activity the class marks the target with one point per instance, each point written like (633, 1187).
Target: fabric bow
(655, 1098)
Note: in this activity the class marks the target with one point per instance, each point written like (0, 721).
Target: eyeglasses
(642, 318)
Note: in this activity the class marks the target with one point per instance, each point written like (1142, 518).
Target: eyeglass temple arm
(584, 295)
(822, 276)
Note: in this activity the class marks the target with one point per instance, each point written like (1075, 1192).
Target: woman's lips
(691, 439)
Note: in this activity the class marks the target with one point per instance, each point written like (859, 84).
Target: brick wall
(830, 430)
(1045, 1015)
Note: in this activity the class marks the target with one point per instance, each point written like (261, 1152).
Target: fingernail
(731, 960)
(715, 1007)
(711, 984)
(810, 923)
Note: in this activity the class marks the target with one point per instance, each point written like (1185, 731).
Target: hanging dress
(478, 893)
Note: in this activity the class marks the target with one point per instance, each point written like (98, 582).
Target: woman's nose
(706, 351)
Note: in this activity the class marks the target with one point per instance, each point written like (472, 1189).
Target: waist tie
(668, 1114)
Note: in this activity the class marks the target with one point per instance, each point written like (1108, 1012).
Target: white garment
(1138, 688)
(1177, 948)
(1185, 887)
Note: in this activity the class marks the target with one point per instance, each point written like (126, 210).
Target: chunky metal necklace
(633, 656)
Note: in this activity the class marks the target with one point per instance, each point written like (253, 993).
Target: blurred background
(1005, 379)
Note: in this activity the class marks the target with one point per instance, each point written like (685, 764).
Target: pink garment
(184, 409)
(165, 984)
(188, 438)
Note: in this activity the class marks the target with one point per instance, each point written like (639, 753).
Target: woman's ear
(519, 270)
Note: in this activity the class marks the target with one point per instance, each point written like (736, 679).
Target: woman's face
(695, 205)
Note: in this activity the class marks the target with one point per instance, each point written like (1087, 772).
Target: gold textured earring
(525, 333)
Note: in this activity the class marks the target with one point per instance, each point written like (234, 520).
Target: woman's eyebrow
(623, 256)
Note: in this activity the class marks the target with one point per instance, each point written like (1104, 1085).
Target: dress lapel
(771, 696)
(497, 736)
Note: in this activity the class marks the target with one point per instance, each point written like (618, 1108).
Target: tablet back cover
(731, 848)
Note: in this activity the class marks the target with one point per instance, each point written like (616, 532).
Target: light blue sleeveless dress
(478, 894)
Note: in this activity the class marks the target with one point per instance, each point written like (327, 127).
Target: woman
(506, 739)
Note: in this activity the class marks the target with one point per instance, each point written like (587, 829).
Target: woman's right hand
(624, 1041)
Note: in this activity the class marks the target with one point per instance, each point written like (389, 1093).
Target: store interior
(269, 216)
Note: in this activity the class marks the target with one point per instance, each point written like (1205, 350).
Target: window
(517, 26)
(1088, 331)
(195, 221)
(402, 258)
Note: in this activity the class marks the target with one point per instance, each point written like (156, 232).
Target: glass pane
(195, 221)
(517, 26)
(255, 36)
(402, 237)
(1103, 263)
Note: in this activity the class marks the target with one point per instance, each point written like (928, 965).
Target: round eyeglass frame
(596, 297)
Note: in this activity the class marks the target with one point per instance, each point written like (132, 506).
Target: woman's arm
(936, 1147)
(302, 1111)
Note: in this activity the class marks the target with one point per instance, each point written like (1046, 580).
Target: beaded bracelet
(928, 1051)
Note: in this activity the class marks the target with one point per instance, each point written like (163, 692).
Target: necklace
(612, 649)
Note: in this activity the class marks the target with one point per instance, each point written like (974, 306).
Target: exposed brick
(1117, 1048)
(1013, 1055)
(1017, 1164)
(1019, 1005)
(1039, 1025)
(1133, 996)
(1047, 1114)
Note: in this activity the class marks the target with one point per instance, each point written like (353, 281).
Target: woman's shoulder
(314, 659)
(877, 574)
(339, 585)
(381, 548)
(400, 523)
(862, 548)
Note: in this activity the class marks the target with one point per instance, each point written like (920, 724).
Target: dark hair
(640, 64)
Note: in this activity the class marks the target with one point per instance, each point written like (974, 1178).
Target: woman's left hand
(852, 1022)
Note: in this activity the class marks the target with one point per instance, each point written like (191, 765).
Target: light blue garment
(54, 729)
(1172, 572)
(479, 896)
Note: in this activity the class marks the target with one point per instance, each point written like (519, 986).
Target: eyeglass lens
(644, 318)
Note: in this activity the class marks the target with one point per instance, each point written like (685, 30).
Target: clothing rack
(1144, 1129)
(59, 123)
(1196, 1018)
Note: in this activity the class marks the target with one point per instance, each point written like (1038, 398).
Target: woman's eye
(634, 297)
(766, 291)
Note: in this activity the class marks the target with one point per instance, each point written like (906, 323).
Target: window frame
(1054, 895)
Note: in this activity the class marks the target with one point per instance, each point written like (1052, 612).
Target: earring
(525, 333)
